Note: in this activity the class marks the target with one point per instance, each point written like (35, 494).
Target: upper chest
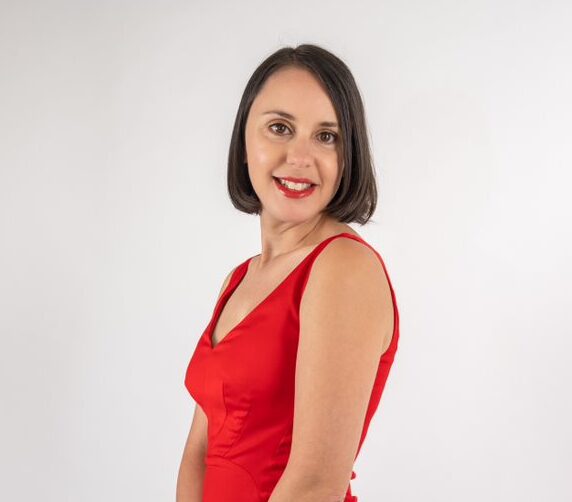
(250, 293)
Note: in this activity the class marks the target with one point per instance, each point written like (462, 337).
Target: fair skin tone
(346, 313)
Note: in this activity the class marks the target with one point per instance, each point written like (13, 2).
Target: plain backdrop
(117, 232)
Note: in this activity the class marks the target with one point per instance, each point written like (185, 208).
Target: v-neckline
(230, 290)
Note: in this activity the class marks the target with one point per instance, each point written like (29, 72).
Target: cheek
(334, 171)
(263, 155)
(261, 163)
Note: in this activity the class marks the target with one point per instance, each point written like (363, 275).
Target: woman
(291, 367)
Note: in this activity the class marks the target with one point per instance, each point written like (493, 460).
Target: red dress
(245, 385)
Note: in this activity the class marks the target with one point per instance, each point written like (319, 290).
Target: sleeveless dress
(245, 385)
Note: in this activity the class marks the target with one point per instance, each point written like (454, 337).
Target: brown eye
(278, 124)
(332, 135)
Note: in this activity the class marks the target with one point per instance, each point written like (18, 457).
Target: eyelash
(334, 135)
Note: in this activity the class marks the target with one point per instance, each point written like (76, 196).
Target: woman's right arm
(192, 469)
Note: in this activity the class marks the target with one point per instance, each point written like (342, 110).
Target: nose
(299, 153)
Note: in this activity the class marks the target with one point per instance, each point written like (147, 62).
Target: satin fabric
(245, 384)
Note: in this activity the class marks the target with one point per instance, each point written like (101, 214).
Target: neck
(280, 238)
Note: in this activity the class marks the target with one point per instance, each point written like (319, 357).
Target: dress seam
(255, 484)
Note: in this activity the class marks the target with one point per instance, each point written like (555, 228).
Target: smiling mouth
(280, 181)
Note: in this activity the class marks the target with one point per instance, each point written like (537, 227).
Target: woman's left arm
(346, 323)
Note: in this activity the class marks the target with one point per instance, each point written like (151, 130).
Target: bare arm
(346, 318)
(192, 469)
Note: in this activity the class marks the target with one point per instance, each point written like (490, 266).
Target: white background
(116, 233)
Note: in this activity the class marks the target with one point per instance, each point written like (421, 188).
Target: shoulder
(229, 275)
(346, 261)
(347, 279)
(226, 281)
(348, 252)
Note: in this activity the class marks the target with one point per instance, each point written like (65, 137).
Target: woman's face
(292, 132)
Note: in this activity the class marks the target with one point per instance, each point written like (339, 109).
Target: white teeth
(295, 186)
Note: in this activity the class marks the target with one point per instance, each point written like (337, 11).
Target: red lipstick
(294, 194)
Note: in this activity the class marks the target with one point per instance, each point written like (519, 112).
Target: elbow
(305, 495)
(305, 488)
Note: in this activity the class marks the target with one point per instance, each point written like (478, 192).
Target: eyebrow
(288, 116)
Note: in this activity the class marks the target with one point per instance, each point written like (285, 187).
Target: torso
(257, 284)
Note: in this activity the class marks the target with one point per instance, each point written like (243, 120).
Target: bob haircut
(356, 197)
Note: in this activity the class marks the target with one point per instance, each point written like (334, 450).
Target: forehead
(297, 92)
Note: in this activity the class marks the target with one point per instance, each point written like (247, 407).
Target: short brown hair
(356, 198)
